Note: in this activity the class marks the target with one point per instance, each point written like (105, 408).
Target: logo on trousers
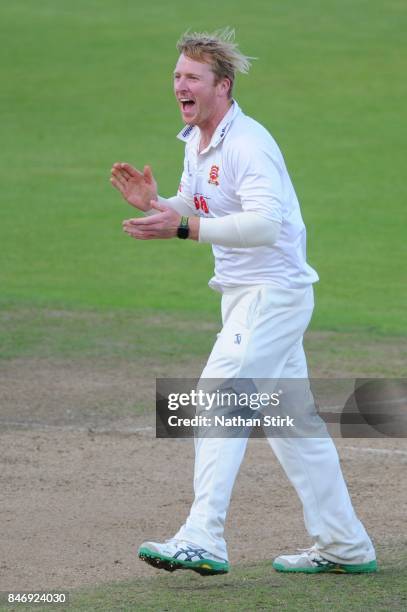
(238, 338)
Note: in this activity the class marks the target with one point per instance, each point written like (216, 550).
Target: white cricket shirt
(242, 169)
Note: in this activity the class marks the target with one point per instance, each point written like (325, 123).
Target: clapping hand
(137, 188)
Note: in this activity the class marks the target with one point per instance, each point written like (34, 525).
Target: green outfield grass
(255, 587)
(88, 83)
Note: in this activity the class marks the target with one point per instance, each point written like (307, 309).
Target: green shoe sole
(205, 567)
(331, 568)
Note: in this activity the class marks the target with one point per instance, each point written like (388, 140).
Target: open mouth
(187, 104)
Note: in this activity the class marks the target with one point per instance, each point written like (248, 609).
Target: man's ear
(225, 85)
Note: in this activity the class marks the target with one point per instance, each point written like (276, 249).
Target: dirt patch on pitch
(75, 505)
(83, 480)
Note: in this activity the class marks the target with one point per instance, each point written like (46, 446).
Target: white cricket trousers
(271, 322)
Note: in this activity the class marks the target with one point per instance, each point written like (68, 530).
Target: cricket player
(235, 193)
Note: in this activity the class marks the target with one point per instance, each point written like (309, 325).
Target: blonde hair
(221, 51)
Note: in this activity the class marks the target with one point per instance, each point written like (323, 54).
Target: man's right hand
(137, 188)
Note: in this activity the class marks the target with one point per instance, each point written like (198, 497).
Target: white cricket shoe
(309, 561)
(176, 554)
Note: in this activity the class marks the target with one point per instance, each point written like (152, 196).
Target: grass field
(251, 588)
(86, 83)
(256, 588)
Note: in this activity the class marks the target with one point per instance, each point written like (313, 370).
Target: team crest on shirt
(214, 175)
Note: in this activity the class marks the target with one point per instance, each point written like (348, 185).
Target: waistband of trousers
(236, 289)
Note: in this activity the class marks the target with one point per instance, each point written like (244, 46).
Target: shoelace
(178, 543)
(312, 552)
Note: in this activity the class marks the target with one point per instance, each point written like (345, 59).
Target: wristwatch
(183, 229)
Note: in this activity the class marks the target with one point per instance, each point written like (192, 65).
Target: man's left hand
(162, 225)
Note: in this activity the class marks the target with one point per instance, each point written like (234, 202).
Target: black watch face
(183, 232)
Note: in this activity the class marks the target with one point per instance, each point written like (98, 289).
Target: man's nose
(180, 85)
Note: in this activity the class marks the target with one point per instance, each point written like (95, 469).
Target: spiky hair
(219, 49)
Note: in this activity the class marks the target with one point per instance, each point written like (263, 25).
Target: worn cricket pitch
(83, 481)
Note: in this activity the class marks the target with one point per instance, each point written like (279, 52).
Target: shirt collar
(189, 130)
